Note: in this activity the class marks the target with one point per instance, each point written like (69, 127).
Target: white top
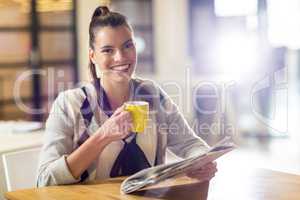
(65, 125)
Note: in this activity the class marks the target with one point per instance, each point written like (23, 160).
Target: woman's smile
(121, 68)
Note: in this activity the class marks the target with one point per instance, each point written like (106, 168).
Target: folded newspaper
(153, 175)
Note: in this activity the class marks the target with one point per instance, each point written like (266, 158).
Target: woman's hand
(204, 173)
(117, 127)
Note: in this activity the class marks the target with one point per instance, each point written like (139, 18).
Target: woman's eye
(129, 45)
(107, 51)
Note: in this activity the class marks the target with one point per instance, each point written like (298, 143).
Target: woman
(88, 132)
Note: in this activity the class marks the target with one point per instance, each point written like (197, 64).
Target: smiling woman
(114, 53)
(89, 132)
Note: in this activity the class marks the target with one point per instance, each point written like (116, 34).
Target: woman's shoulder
(151, 87)
(147, 84)
(72, 99)
(150, 91)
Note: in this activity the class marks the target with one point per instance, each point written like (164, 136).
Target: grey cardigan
(65, 125)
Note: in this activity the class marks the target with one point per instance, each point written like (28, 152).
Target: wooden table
(259, 184)
(110, 189)
(235, 181)
(249, 185)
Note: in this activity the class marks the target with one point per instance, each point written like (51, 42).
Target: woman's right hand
(117, 127)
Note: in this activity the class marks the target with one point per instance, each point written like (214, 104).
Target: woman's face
(114, 53)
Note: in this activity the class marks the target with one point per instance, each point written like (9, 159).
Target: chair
(20, 168)
(1, 96)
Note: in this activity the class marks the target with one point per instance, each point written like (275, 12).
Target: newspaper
(153, 175)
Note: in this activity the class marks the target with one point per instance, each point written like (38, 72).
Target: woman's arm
(57, 144)
(79, 160)
(115, 128)
(181, 139)
(59, 164)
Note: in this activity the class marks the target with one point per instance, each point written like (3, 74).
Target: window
(38, 35)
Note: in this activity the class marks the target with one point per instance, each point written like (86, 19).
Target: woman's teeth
(121, 68)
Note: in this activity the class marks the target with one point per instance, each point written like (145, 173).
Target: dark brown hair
(103, 17)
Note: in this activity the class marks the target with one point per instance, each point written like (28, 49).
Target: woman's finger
(202, 176)
(206, 169)
(118, 111)
(202, 173)
(210, 165)
(123, 116)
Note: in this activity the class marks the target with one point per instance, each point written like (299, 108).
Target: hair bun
(100, 11)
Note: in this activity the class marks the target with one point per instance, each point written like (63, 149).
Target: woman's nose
(119, 56)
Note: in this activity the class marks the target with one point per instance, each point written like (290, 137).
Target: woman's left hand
(204, 173)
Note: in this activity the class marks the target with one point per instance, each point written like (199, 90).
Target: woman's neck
(117, 92)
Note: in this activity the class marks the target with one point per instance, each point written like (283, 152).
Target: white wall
(171, 45)
(170, 31)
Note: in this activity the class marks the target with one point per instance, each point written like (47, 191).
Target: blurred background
(232, 66)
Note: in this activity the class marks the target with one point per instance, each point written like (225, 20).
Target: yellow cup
(139, 111)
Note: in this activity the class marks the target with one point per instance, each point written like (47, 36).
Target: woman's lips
(121, 68)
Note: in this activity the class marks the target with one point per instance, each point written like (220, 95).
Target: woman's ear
(92, 55)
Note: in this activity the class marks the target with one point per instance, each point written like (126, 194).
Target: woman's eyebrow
(109, 46)
(130, 40)
(106, 47)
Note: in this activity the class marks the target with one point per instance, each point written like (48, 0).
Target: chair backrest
(20, 168)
